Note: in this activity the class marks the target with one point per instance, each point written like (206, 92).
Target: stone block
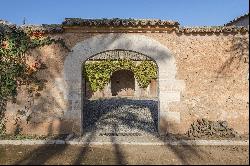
(169, 96)
(171, 85)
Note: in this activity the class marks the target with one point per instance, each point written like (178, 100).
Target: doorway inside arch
(123, 83)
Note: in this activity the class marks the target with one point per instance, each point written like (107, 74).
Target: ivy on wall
(145, 72)
(14, 71)
(98, 73)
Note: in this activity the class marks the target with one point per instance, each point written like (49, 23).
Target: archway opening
(120, 106)
(123, 83)
(137, 44)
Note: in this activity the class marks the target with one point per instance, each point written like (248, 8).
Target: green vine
(14, 71)
(98, 73)
(145, 72)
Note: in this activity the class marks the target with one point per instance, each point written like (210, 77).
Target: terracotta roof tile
(45, 28)
(116, 22)
(125, 23)
(212, 29)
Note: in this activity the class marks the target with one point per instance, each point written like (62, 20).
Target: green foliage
(99, 73)
(14, 71)
(145, 72)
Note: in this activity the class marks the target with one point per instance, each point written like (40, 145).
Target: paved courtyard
(120, 116)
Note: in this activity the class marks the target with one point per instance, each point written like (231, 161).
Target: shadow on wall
(38, 106)
(36, 103)
(239, 53)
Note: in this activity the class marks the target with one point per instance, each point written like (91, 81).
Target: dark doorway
(123, 83)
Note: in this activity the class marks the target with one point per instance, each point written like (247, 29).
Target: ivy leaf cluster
(98, 73)
(145, 72)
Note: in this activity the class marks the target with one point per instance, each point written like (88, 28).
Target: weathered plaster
(209, 84)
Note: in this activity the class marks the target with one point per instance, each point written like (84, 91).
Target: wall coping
(123, 26)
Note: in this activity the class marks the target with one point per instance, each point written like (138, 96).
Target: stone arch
(168, 87)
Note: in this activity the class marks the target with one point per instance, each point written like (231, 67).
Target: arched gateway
(168, 87)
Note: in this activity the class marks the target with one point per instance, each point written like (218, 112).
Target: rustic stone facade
(202, 73)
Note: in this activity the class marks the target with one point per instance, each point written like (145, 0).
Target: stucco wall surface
(209, 79)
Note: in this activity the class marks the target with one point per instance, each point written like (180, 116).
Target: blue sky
(186, 12)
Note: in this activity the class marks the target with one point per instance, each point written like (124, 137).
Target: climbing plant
(14, 71)
(98, 73)
(145, 72)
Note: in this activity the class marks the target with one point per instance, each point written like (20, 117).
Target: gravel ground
(121, 117)
(123, 154)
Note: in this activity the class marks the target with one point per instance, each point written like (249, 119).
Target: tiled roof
(212, 29)
(153, 23)
(143, 25)
(116, 22)
(237, 19)
(44, 28)
(53, 28)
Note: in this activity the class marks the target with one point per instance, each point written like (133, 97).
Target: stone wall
(216, 76)
(209, 79)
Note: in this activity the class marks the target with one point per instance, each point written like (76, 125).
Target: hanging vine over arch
(14, 71)
(98, 73)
